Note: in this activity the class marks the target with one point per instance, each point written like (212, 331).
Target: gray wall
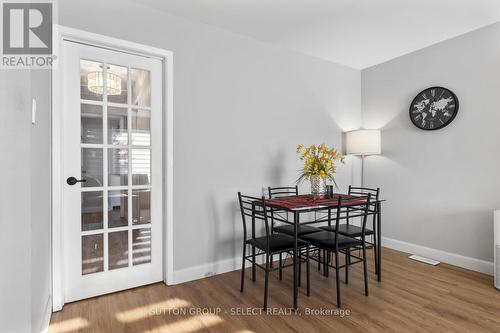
(40, 182)
(441, 185)
(15, 234)
(240, 107)
(25, 224)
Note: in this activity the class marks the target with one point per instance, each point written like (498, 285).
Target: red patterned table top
(308, 201)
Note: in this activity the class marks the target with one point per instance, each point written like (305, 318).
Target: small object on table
(329, 191)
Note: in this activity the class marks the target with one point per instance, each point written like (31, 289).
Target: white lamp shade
(363, 142)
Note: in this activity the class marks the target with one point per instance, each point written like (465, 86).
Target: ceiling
(356, 33)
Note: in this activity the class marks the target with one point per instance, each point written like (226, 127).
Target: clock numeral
(417, 117)
(431, 124)
(433, 92)
(442, 122)
(424, 95)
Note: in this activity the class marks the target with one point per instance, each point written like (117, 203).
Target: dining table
(295, 205)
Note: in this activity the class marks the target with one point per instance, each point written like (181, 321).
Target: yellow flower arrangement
(319, 161)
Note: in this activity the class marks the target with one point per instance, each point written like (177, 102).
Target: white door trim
(62, 33)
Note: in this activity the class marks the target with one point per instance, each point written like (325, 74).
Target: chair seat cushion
(326, 240)
(289, 229)
(348, 230)
(277, 242)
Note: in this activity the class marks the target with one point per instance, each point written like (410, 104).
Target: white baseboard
(47, 313)
(473, 264)
(228, 265)
(205, 270)
(210, 269)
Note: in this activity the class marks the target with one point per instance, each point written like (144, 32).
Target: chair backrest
(375, 192)
(362, 207)
(365, 209)
(253, 208)
(282, 191)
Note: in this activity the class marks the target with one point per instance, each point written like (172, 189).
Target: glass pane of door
(141, 245)
(117, 209)
(118, 249)
(141, 166)
(116, 77)
(141, 127)
(117, 126)
(92, 210)
(91, 80)
(91, 123)
(117, 167)
(92, 167)
(141, 87)
(141, 206)
(92, 254)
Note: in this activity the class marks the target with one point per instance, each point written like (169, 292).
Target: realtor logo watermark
(27, 35)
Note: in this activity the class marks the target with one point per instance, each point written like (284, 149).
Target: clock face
(433, 108)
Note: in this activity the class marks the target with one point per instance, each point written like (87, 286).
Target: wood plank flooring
(413, 297)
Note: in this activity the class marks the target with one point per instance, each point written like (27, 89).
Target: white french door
(112, 166)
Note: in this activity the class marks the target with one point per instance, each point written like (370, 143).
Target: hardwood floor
(413, 297)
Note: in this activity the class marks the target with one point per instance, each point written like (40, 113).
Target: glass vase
(318, 187)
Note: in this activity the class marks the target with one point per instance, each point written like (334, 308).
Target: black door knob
(73, 181)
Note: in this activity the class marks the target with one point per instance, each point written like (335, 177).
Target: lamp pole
(362, 170)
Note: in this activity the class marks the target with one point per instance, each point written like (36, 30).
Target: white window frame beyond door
(61, 34)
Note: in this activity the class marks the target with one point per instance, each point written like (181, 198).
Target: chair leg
(281, 267)
(375, 240)
(347, 262)
(319, 259)
(253, 264)
(266, 283)
(243, 267)
(300, 268)
(365, 270)
(326, 262)
(337, 278)
(307, 272)
(272, 232)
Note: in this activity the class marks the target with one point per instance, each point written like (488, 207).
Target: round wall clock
(433, 108)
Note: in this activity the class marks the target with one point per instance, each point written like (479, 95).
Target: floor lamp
(362, 143)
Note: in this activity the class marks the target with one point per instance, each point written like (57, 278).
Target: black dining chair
(282, 191)
(332, 242)
(268, 244)
(351, 230)
(276, 192)
(286, 228)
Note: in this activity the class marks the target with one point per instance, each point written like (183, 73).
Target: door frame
(60, 34)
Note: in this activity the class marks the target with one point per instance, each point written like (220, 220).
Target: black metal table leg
(295, 261)
(375, 240)
(379, 242)
(253, 247)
